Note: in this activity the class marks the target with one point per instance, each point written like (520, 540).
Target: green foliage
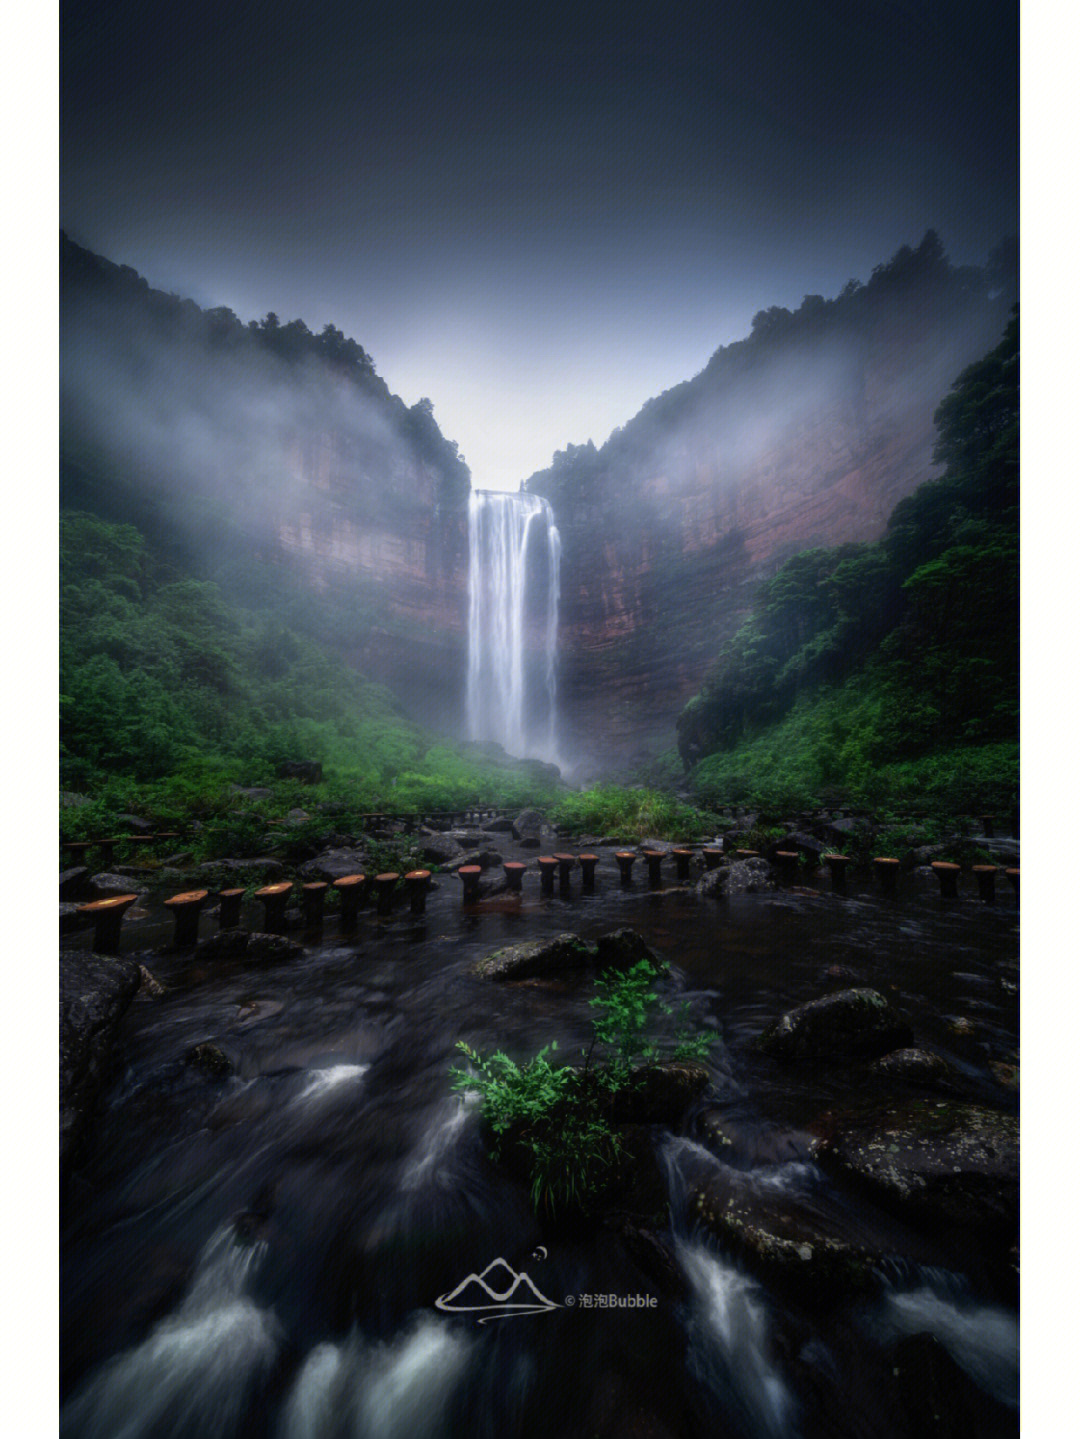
(629, 814)
(562, 1115)
(887, 652)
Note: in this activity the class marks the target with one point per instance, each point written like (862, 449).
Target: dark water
(261, 1256)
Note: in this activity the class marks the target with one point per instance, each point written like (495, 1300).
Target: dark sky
(537, 216)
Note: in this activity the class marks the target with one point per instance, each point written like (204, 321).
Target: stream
(261, 1255)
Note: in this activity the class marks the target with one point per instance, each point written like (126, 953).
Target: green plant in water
(563, 1114)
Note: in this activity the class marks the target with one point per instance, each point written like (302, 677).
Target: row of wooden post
(355, 891)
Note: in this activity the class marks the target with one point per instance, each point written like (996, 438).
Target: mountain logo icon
(498, 1293)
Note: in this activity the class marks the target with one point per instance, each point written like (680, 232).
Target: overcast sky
(537, 217)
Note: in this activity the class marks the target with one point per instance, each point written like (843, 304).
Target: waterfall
(514, 553)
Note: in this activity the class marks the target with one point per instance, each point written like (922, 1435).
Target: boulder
(209, 1060)
(533, 957)
(75, 882)
(660, 1093)
(622, 949)
(135, 824)
(804, 843)
(297, 817)
(441, 850)
(712, 884)
(941, 1162)
(851, 1022)
(108, 883)
(230, 873)
(95, 993)
(786, 1241)
(499, 826)
(332, 864)
(915, 1066)
(71, 919)
(528, 824)
(741, 876)
(530, 841)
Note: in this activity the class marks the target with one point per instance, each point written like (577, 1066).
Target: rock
(75, 883)
(230, 873)
(255, 947)
(623, 948)
(255, 793)
(441, 850)
(804, 843)
(499, 826)
(749, 876)
(149, 987)
(70, 800)
(837, 1026)
(297, 817)
(712, 884)
(95, 992)
(532, 957)
(108, 883)
(490, 858)
(942, 1162)
(660, 1093)
(71, 919)
(915, 1066)
(529, 824)
(332, 864)
(1006, 1074)
(530, 842)
(781, 1238)
(210, 1060)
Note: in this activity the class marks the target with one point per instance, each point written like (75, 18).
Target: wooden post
(108, 916)
(353, 891)
(682, 858)
(229, 908)
(275, 898)
(470, 883)
(712, 857)
(947, 874)
(887, 870)
(984, 874)
(787, 862)
(566, 864)
(625, 860)
(838, 864)
(385, 885)
(515, 872)
(186, 909)
(588, 870)
(416, 886)
(314, 896)
(548, 865)
(653, 858)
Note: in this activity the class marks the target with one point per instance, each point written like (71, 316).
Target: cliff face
(266, 457)
(806, 434)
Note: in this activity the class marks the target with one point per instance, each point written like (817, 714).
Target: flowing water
(514, 555)
(262, 1256)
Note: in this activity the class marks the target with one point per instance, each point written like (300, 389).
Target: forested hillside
(867, 666)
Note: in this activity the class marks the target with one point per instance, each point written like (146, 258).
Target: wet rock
(75, 883)
(939, 1161)
(71, 919)
(742, 1141)
(109, 883)
(95, 993)
(230, 873)
(915, 1066)
(660, 1093)
(255, 947)
(782, 1239)
(623, 948)
(332, 864)
(499, 826)
(805, 843)
(490, 858)
(747, 876)
(530, 841)
(209, 1060)
(442, 850)
(1007, 1075)
(532, 957)
(712, 884)
(528, 824)
(149, 987)
(841, 829)
(852, 1022)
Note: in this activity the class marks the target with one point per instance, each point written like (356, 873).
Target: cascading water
(510, 694)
